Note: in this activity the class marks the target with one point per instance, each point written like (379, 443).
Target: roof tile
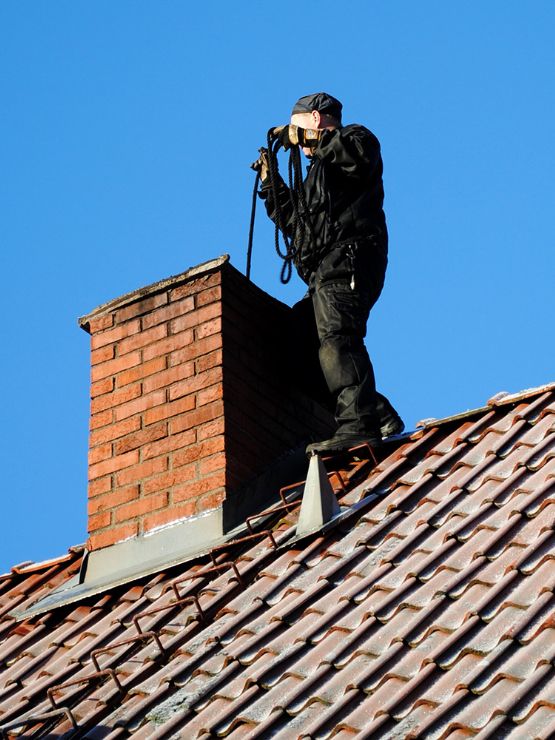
(426, 613)
(539, 724)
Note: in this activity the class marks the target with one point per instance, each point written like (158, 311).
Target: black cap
(322, 102)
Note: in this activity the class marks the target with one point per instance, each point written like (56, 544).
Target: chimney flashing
(161, 549)
(134, 558)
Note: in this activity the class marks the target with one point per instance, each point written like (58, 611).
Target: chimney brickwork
(190, 399)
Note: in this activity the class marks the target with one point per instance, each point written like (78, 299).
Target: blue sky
(127, 129)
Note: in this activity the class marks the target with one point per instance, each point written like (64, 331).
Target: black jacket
(344, 195)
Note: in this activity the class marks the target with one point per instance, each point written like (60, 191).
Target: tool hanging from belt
(301, 224)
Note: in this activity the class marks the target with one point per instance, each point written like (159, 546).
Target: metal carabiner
(351, 253)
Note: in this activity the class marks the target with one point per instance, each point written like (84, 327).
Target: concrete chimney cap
(153, 288)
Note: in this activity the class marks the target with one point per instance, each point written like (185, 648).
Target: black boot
(341, 442)
(357, 422)
(390, 421)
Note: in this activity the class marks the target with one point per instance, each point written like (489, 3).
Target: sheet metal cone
(319, 504)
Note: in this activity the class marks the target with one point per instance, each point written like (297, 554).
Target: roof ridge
(30, 566)
(501, 398)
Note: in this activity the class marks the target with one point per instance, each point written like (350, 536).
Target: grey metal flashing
(319, 505)
(176, 544)
(345, 513)
(146, 553)
(134, 558)
(164, 548)
(153, 288)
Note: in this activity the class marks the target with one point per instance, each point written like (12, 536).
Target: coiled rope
(301, 225)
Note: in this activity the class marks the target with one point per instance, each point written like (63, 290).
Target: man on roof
(342, 256)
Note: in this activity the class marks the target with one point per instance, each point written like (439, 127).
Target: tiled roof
(428, 612)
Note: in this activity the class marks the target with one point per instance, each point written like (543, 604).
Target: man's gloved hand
(295, 135)
(261, 165)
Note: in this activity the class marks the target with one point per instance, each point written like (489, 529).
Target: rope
(251, 227)
(301, 223)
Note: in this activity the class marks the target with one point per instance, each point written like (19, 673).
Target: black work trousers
(342, 290)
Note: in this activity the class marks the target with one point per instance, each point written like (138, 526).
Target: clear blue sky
(127, 129)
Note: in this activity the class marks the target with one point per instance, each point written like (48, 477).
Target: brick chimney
(190, 400)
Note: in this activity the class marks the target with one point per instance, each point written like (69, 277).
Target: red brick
(113, 464)
(169, 376)
(141, 506)
(194, 384)
(194, 350)
(208, 296)
(140, 438)
(183, 461)
(103, 354)
(116, 334)
(169, 409)
(169, 479)
(211, 429)
(210, 394)
(207, 361)
(142, 339)
(100, 485)
(211, 464)
(210, 501)
(208, 328)
(196, 318)
(141, 371)
(197, 417)
(119, 429)
(171, 514)
(112, 499)
(195, 286)
(99, 521)
(117, 365)
(100, 323)
(170, 344)
(141, 307)
(139, 405)
(193, 453)
(178, 308)
(138, 473)
(100, 452)
(174, 442)
(113, 535)
(198, 487)
(116, 398)
(101, 419)
(101, 387)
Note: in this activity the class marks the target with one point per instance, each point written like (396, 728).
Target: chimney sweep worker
(340, 251)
